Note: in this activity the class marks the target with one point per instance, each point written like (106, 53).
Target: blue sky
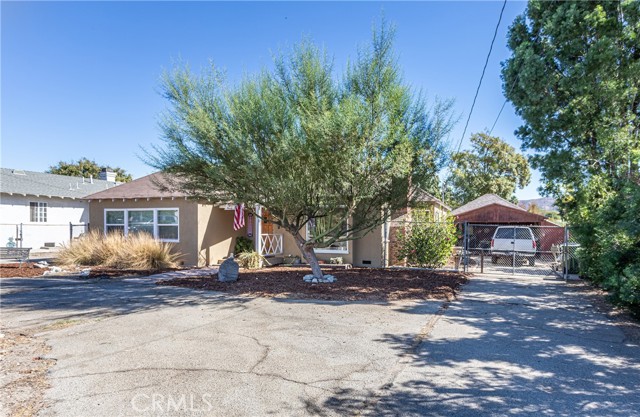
(80, 79)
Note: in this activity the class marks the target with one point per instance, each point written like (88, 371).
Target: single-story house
(489, 210)
(43, 210)
(203, 232)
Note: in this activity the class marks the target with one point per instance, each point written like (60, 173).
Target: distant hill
(544, 203)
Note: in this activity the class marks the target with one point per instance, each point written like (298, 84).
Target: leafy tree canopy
(84, 167)
(574, 78)
(310, 145)
(492, 166)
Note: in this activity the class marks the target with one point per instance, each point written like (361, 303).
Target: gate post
(565, 249)
(70, 233)
(465, 244)
(513, 252)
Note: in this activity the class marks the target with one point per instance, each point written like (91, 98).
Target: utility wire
(513, 86)
(486, 62)
(499, 113)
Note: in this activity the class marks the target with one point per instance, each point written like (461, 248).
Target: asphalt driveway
(509, 346)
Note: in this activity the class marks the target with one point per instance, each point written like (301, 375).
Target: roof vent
(18, 172)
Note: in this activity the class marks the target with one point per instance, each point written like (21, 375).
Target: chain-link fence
(40, 235)
(483, 248)
(514, 249)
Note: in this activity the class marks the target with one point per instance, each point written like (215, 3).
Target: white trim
(271, 244)
(156, 226)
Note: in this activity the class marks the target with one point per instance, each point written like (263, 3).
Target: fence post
(513, 259)
(19, 233)
(565, 248)
(70, 232)
(465, 243)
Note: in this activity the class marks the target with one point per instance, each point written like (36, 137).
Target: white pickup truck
(509, 239)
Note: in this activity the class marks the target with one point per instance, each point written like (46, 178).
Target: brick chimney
(107, 175)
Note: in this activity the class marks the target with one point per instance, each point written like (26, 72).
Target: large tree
(574, 78)
(84, 167)
(335, 152)
(492, 166)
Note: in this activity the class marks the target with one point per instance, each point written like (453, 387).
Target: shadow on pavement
(510, 347)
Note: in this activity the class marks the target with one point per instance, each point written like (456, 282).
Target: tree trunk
(310, 255)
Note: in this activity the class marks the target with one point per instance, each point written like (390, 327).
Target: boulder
(228, 271)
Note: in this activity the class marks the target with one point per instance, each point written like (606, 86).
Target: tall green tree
(574, 78)
(313, 147)
(492, 166)
(84, 167)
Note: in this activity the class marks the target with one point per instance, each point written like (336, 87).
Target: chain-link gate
(518, 249)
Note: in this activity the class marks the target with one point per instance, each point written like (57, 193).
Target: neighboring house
(491, 210)
(39, 208)
(203, 232)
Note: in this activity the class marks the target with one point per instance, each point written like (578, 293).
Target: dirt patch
(23, 369)
(353, 284)
(26, 270)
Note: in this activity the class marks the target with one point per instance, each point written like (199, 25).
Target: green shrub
(426, 243)
(249, 260)
(609, 235)
(137, 251)
(243, 244)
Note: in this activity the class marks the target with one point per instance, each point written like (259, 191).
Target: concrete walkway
(521, 345)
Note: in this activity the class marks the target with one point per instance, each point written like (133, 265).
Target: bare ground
(23, 369)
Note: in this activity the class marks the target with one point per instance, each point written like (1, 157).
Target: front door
(267, 226)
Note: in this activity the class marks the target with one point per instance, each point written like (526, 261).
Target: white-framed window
(161, 223)
(38, 212)
(322, 224)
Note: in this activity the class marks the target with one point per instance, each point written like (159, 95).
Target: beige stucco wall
(188, 218)
(216, 236)
(369, 248)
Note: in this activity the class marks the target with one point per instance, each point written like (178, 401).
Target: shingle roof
(483, 201)
(423, 196)
(14, 181)
(144, 187)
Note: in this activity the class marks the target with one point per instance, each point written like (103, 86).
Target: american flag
(238, 217)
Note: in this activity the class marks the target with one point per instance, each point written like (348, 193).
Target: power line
(499, 113)
(513, 86)
(486, 62)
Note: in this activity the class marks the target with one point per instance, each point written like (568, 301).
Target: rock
(315, 280)
(228, 271)
(42, 265)
(329, 278)
(307, 278)
(55, 269)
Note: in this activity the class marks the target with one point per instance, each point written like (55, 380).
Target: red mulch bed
(353, 284)
(101, 272)
(27, 270)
